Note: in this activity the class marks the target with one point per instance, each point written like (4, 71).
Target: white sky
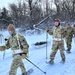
(5, 3)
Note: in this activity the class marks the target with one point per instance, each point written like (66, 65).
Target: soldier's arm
(49, 31)
(73, 32)
(63, 31)
(23, 43)
(6, 46)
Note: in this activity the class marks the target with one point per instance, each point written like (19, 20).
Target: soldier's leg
(62, 54)
(69, 44)
(61, 48)
(54, 50)
(22, 66)
(14, 65)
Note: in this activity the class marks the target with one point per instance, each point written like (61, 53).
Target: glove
(47, 30)
(6, 39)
(2, 48)
(23, 55)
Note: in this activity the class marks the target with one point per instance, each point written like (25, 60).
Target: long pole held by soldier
(46, 44)
(1, 42)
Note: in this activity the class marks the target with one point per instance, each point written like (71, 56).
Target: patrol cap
(11, 27)
(58, 20)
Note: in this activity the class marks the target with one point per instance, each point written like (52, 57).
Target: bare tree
(73, 10)
(67, 9)
(57, 3)
(19, 12)
(14, 10)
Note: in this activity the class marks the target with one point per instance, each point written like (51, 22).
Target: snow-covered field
(38, 56)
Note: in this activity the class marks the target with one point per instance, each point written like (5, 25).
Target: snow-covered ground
(38, 56)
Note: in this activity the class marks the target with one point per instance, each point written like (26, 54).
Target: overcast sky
(5, 3)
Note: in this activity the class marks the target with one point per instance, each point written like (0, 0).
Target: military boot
(63, 61)
(24, 73)
(68, 51)
(50, 62)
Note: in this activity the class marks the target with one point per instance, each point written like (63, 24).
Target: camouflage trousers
(17, 62)
(57, 45)
(68, 42)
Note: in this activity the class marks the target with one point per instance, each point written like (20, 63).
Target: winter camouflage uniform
(17, 54)
(68, 36)
(58, 42)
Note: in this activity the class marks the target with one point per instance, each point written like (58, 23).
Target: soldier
(19, 47)
(74, 29)
(58, 42)
(69, 34)
(74, 33)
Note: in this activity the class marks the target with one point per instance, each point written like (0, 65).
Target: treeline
(26, 13)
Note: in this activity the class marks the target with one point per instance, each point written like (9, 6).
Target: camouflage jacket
(69, 32)
(57, 32)
(12, 43)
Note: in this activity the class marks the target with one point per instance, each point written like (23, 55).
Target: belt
(17, 51)
(19, 54)
(57, 39)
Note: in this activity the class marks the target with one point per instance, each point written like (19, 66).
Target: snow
(37, 55)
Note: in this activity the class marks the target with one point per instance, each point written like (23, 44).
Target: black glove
(6, 39)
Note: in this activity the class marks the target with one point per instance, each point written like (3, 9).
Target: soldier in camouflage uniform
(19, 47)
(58, 42)
(68, 36)
(74, 30)
(74, 33)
